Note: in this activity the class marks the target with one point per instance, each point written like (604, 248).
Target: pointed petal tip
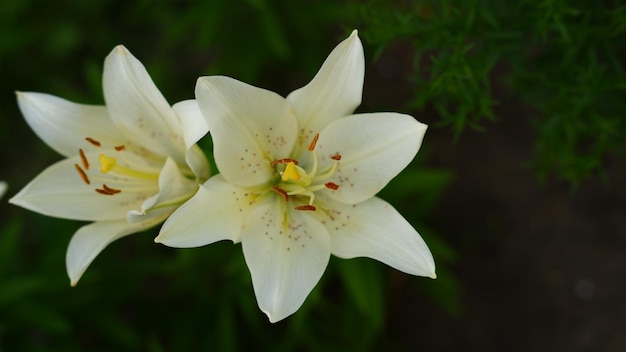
(355, 33)
(15, 200)
(23, 98)
(120, 49)
(21, 95)
(431, 271)
(74, 277)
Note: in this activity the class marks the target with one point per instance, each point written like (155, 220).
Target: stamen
(314, 142)
(93, 141)
(336, 157)
(82, 174)
(296, 182)
(83, 159)
(281, 192)
(331, 185)
(327, 174)
(120, 148)
(108, 191)
(285, 161)
(111, 190)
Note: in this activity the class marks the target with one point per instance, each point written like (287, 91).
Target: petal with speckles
(216, 212)
(137, 107)
(286, 255)
(374, 148)
(376, 230)
(250, 126)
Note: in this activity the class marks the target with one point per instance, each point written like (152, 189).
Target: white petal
(138, 108)
(194, 125)
(374, 148)
(287, 252)
(251, 127)
(59, 191)
(376, 230)
(335, 91)
(91, 239)
(3, 188)
(194, 128)
(174, 190)
(213, 214)
(64, 125)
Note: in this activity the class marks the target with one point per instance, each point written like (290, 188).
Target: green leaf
(363, 280)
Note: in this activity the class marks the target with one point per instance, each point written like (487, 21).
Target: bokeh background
(518, 189)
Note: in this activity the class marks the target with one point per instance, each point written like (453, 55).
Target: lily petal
(250, 126)
(193, 124)
(286, 258)
(213, 214)
(335, 91)
(64, 125)
(194, 128)
(138, 108)
(59, 191)
(374, 148)
(174, 190)
(91, 239)
(376, 230)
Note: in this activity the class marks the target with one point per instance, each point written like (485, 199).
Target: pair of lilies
(297, 182)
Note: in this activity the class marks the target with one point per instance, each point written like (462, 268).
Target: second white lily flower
(129, 163)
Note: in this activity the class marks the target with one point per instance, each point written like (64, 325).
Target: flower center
(123, 172)
(296, 181)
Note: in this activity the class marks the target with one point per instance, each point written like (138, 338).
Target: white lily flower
(129, 164)
(298, 179)
(3, 188)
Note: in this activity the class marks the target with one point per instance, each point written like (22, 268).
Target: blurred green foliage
(561, 59)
